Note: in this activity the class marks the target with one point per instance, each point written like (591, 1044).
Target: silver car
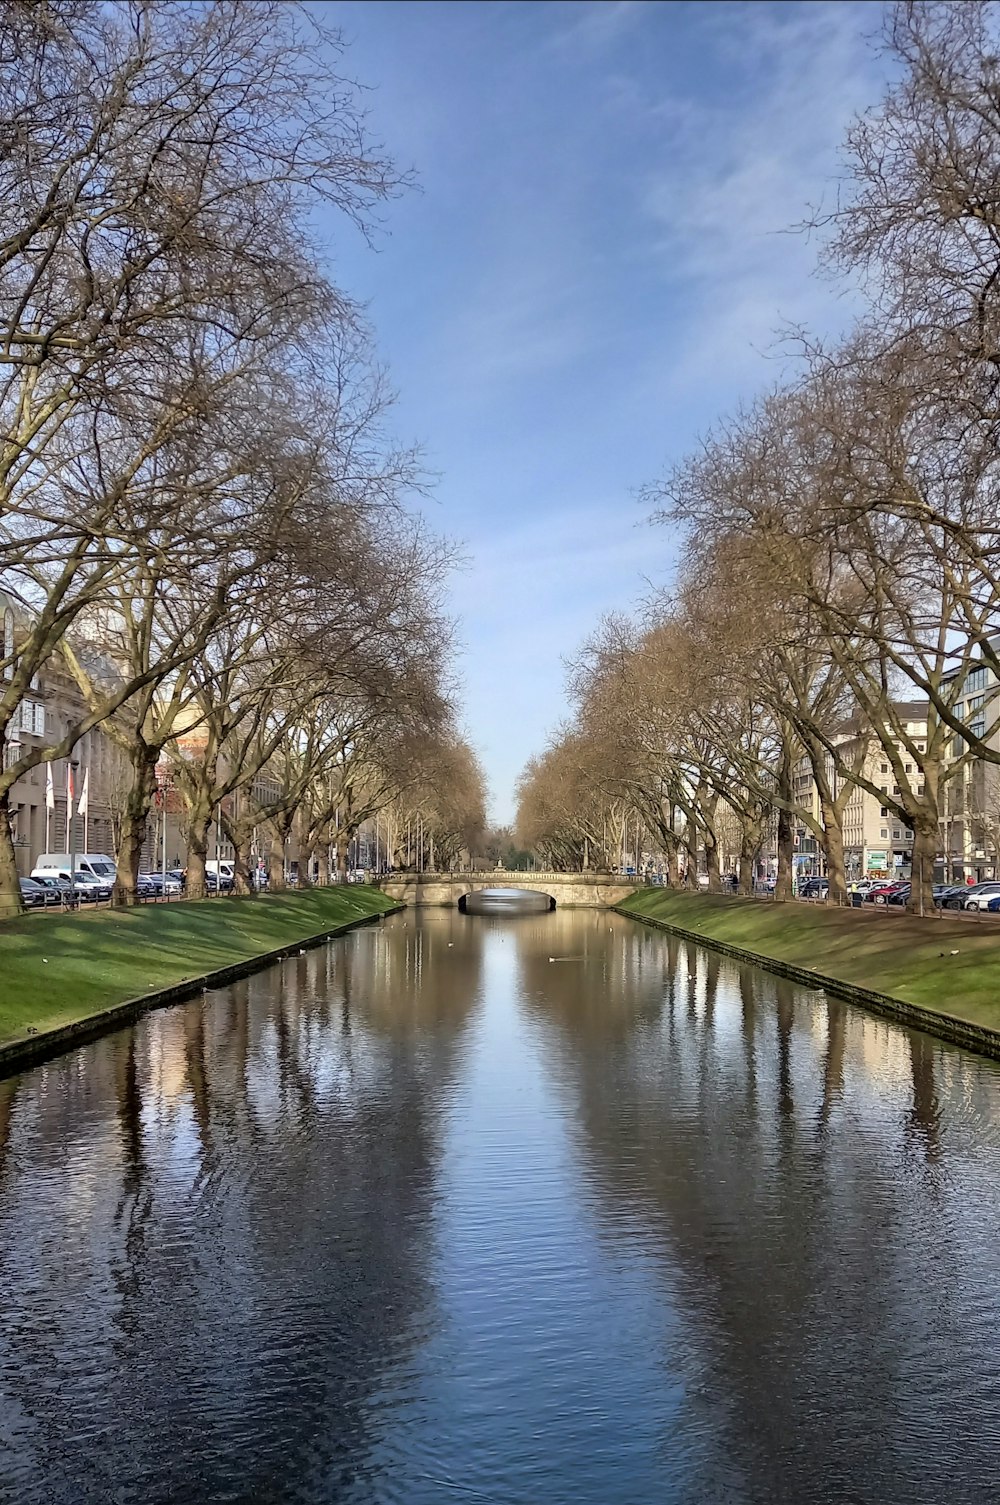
(980, 895)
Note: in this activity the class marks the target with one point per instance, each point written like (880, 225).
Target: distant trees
(199, 510)
(841, 556)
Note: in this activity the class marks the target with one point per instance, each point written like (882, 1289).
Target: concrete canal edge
(20, 1054)
(976, 1037)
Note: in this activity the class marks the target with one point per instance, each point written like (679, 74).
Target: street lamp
(74, 764)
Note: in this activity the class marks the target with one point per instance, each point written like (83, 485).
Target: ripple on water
(422, 1217)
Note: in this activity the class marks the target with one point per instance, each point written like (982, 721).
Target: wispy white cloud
(738, 173)
(597, 267)
(592, 24)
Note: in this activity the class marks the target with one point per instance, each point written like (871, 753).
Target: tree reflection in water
(210, 1249)
(809, 1267)
(425, 1214)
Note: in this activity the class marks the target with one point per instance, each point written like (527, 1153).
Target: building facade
(877, 844)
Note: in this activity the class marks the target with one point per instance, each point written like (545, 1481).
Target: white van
(87, 864)
(224, 871)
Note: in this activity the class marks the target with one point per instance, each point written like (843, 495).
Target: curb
(975, 1037)
(53, 1042)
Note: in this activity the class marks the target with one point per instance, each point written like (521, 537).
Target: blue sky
(594, 267)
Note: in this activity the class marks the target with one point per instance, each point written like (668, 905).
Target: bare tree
(159, 167)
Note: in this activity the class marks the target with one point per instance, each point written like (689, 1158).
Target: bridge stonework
(570, 890)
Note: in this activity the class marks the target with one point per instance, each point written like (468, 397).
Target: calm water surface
(529, 1210)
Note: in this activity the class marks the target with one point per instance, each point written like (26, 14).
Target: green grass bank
(57, 970)
(946, 967)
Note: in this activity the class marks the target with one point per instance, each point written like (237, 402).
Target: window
(884, 812)
(975, 701)
(8, 642)
(883, 833)
(885, 768)
(919, 746)
(895, 788)
(908, 767)
(977, 679)
(31, 718)
(896, 834)
(978, 726)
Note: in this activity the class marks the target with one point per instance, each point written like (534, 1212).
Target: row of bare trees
(839, 571)
(201, 517)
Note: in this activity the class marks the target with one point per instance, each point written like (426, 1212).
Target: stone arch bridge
(590, 890)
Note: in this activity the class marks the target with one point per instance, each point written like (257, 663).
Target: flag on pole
(50, 790)
(84, 804)
(69, 794)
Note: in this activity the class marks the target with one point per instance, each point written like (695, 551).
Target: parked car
(815, 888)
(945, 891)
(58, 890)
(92, 890)
(89, 889)
(882, 893)
(902, 893)
(33, 895)
(967, 896)
(994, 905)
(979, 896)
(157, 888)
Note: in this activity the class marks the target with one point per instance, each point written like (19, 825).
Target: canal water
(537, 1210)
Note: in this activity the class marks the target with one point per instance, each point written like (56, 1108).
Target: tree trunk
(833, 847)
(324, 864)
(748, 848)
(786, 823)
(135, 816)
(343, 842)
(673, 867)
(10, 881)
(925, 845)
(306, 855)
(276, 861)
(786, 849)
(199, 820)
(242, 880)
(712, 863)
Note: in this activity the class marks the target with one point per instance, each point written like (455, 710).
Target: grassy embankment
(900, 955)
(56, 969)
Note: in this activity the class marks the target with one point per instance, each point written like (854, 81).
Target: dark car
(58, 890)
(815, 888)
(33, 895)
(901, 895)
(972, 896)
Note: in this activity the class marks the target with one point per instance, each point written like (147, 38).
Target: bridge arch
(494, 898)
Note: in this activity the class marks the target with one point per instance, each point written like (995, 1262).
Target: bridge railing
(595, 875)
